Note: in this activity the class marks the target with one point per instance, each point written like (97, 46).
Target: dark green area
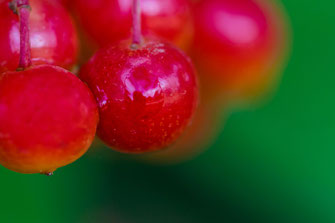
(273, 164)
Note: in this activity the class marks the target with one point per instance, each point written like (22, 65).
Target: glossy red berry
(146, 94)
(239, 44)
(53, 36)
(48, 119)
(112, 20)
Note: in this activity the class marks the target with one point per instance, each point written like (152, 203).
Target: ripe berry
(48, 117)
(52, 35)
(146, 92)
(239, 44)
(146, 95)
(112, 20)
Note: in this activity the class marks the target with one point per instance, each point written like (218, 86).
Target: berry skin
(244, 42)
(112, 20)
(48, 119)
(65, 3)
(193, 141)
(146, 93)
(53, 37)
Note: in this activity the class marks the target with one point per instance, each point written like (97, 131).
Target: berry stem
(22, 8)
(136, 12)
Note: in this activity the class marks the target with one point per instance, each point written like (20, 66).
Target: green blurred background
(273, 164)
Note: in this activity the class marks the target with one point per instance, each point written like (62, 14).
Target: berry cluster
(139, 92)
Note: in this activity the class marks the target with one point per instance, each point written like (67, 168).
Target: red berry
(112, 19)
(48, 119)
(239, 44)
(52, 36)
(146, 94)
